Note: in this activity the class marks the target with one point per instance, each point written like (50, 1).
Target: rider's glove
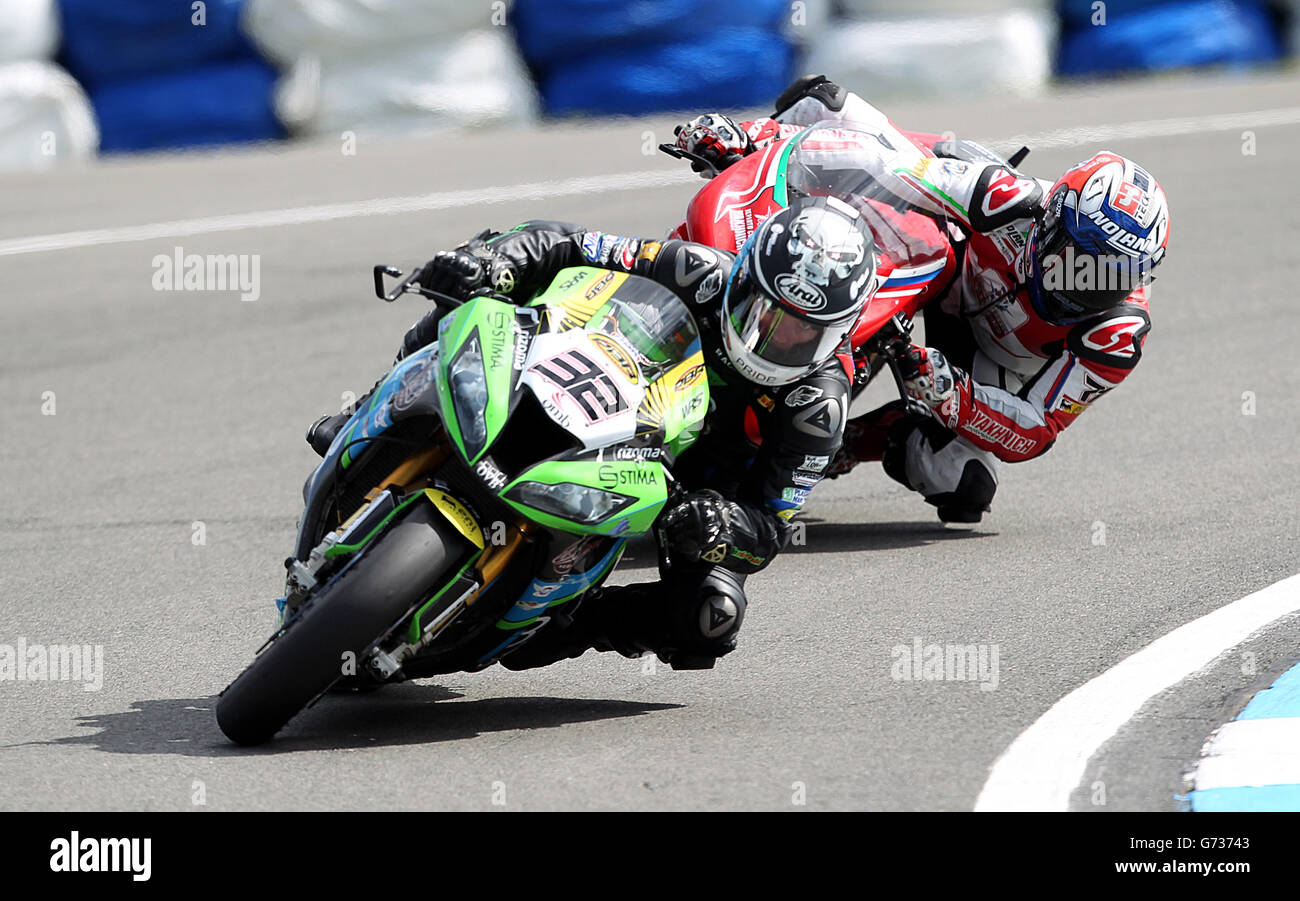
(927, 375)
(453, 272)
(698, 528)
(715, 137)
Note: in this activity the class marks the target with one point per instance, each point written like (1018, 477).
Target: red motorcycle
(915, 257)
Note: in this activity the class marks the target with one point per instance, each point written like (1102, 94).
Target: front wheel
(360, 606)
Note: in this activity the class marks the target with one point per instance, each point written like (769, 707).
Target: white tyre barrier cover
(45, 117)
(472, 80)
(1007, 51)
(29, 29)
(286, 30)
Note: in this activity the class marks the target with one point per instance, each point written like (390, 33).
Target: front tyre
(349, 614)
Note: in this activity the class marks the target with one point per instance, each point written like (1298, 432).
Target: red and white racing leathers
(1029, 378)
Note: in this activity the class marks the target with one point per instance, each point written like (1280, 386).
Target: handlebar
(409, 285)
(894, 336)
(674, 151)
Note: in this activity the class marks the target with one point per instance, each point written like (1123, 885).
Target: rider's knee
(950, 473)
(707, 620)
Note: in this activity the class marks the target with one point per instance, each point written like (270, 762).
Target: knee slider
(951, 475)
(971, 500)
(708, 625)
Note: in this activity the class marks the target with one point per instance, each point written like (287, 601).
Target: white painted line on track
(574, 187)
(1154, 128)
(384, 206)
(1252, 752)
(1047, 761)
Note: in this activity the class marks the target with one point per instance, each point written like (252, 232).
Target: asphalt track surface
(179, 408)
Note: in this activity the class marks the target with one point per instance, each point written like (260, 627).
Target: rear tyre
(348, 615)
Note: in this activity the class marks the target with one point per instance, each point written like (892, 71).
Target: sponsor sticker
(1004, 192)
(638, 454)
(492, 476)
(950, 410)
(616, 354)
(612, 477)
(800, 293)
(1115, 336)
(822, 419)
(564, 561)
(689, 378)
(710, 287)
(522, 346)
(572, 281)
(415, 382)
(692, 262)
(747, 556)
(504, 282)
(803, 395)
(599, 286)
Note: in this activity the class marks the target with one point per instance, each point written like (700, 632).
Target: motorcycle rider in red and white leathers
(1047, 311)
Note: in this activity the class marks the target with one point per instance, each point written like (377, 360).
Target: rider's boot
(623, 619)
(689, 621)
(322, 432)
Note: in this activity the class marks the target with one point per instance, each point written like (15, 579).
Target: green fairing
(678, 429)
(684, 436)
(682, 413)
(644, 482)
(493, 321)
(568, 284)
(681, 428)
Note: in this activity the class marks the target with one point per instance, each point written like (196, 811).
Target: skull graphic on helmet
(819, 249)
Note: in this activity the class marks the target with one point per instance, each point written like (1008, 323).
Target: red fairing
(917, 240)
(727, 210)
(763, 131)
(916, 262)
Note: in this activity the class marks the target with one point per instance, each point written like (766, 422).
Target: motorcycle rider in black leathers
(774, 322)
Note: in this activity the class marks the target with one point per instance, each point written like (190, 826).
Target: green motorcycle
(490, 479)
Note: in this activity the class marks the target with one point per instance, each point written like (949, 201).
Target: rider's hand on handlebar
(715, 137)
(452, 272)
(927, 375)
(697, 528)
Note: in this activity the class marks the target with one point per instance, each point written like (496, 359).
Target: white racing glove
(716, 138)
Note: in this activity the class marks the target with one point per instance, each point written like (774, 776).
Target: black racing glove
(453, 272)
(699, 527)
